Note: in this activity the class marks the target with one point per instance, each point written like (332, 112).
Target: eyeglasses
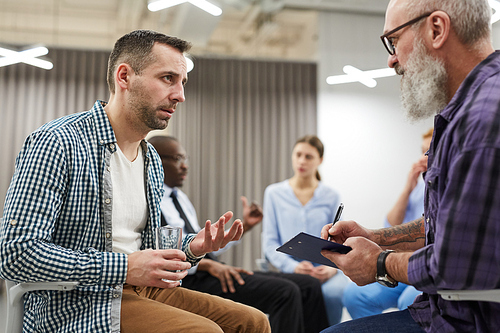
(388, 41)
(179, 159)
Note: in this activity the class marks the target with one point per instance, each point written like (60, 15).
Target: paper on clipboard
(308, 247)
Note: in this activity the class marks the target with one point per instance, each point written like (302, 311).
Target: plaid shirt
(462, 208)
(57, 223)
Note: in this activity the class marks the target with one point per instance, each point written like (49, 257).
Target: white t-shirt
(130, 207)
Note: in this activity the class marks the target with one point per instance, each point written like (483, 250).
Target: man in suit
(294, 302)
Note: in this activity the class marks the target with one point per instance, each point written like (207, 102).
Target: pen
(337, 216)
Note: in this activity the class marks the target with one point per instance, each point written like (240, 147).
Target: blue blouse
(285, 217)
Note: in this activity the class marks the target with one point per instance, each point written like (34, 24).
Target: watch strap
(381, 270)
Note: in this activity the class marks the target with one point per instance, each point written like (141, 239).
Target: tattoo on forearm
(411, 232)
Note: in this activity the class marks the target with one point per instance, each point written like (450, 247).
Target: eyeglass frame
(179, 159)
(385, 37)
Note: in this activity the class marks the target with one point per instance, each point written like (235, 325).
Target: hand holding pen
(337, 217)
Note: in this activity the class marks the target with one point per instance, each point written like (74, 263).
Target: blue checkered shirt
(57, 224)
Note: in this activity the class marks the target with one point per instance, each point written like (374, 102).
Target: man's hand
(342, 230)
(224, 273)
(252, 215)
(360, 264)
(149, 267)
(213, 237)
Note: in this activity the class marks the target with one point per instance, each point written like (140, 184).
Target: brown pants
(176, 310)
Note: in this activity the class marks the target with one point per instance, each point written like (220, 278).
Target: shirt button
(427, 220)
(108, 168)
(101, 142)
(116, 295)
(108, 200)
(108, 235)
(13, 222)
(112, 146)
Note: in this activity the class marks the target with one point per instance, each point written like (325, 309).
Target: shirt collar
(105, 133)
(169, 190)
(484, 70)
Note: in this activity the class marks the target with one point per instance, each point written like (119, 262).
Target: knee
(255, 321)
(289, 292)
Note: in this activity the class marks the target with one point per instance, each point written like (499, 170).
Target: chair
(471, 295)
(11, 301)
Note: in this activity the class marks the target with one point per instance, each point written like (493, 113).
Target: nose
(392, 60)
(178, 93)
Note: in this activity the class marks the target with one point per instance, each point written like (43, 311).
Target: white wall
(369, 145)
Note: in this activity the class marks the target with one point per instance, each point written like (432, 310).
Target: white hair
(470, 19)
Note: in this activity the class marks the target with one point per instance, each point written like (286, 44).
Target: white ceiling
(271, 29)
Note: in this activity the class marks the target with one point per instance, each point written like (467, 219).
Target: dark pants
(391, 322)
(294, 302)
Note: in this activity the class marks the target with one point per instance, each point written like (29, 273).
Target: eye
(393, 41)
(168, 77)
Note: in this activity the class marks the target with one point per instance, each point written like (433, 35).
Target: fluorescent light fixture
(29, 57)
(353, 74)
(207, 6)
(202, 4)
(495, 5)
(189, 64)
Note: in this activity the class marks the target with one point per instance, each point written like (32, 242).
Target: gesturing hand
(252, 214)
(213, 237)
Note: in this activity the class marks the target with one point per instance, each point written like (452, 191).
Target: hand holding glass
(168, 237)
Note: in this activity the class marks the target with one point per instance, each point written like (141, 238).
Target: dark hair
(161, 138)
(135, 49)
(314, 141)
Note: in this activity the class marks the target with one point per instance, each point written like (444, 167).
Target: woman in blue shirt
(303, 204)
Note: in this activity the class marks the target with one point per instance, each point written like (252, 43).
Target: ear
(440, 26)
(123, 74)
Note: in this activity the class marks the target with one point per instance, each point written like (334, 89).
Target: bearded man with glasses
(442, 50)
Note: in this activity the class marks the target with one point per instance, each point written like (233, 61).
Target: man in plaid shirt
(84, 201)
(443, 51)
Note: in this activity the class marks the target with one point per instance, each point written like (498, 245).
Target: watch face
(383, 280)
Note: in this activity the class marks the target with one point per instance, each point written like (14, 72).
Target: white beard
(423, 85)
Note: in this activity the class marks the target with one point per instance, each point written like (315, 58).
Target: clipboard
(308, 247)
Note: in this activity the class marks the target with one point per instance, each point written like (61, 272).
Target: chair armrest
(471, 295)
(17, 291)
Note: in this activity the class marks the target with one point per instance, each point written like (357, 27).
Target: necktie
(183, 216)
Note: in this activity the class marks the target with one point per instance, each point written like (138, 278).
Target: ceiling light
(495, 5)
(29, 57)
(202, 4)
(189, 63)
(206, 6)
(367, 78)
(354, 74)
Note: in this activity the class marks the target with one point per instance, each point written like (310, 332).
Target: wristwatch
(382, 277)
